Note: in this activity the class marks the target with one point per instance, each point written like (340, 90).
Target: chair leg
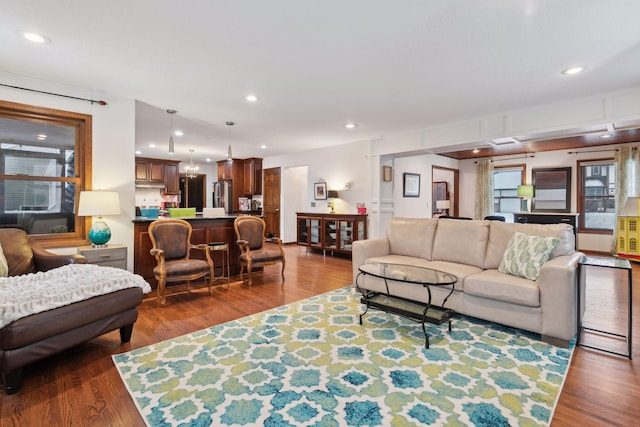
(249, 268)
(161, 291)
(282, 271)
(241, 271)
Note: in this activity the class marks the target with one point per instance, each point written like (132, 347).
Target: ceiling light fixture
(35, 38)
(191, 170)
(605, 136)
(251, 98)
(350, 125)
(476, 151)
(178, 133)
(171, 145)
(573, 70)
(229, 154)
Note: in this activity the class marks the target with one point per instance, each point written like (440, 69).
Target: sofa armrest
(45, 260)
(364, 249)
(558, 296)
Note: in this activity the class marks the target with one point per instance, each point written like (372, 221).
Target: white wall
(337, 166)
(113, 141)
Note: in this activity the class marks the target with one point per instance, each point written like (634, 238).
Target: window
(505, 190)
(45, 160)
(596, 195)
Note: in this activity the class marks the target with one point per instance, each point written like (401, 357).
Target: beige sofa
(473, 251)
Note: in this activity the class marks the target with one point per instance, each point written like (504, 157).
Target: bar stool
(224, 248)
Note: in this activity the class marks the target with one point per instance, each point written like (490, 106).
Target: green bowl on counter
(182, 212)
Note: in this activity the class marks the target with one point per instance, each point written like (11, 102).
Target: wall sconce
(99, 203)
(443, 206)
(526, 192)
(333, 194)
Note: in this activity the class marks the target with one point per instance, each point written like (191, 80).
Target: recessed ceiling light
(476, 150)
(605, 136)
(178, 133)
(573, 70)
(350, 125)
(208, 159)
(263, 146)
(251, 98)
(35, 38)
(152, 145)
(138, 152)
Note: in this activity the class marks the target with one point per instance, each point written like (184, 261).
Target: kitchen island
(205, 230)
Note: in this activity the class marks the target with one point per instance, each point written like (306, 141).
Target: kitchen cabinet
(171, 178)
(157, 171)
(331, 232)
(149, 171)
(252, 176)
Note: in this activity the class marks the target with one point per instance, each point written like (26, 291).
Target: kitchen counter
(198, 217)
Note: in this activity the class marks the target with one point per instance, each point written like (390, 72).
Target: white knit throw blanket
(21, 296)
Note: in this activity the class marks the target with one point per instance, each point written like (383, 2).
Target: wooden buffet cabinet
(331, 232)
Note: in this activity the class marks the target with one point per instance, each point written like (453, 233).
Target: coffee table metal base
(409, 309)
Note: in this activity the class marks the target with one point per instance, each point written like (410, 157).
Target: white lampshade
(98, 203)
(443, 204)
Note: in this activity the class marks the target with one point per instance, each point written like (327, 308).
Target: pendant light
(171, 147)
(191, 170)
(229, 155)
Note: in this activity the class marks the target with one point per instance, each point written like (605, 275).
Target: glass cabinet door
(346, 234)
(303, 230)
(314, 231)
(330, 230)
(361, 229)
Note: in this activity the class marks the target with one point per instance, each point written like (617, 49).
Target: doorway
(193, 192)
(445, 182)
(271, 201)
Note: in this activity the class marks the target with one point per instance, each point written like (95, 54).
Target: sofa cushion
(412, 236)
(500, 233)
(461, 271)
(494, 285)
(525, 254)
(463, 242)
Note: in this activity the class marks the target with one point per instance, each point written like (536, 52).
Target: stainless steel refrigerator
(223, 195)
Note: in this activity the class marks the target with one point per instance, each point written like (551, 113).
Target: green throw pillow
(525, 255)
(4, 267)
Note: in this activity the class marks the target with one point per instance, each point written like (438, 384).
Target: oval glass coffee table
(414, 310)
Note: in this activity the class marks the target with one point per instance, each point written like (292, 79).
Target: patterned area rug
(311, 364)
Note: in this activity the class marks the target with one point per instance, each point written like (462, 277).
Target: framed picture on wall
(411, 185)
(320, 191)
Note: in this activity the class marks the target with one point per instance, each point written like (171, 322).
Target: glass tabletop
(408, 273)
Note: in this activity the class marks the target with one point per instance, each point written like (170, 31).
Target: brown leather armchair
(256, 249)
(40, 335)
(171, 240)
(25, 255)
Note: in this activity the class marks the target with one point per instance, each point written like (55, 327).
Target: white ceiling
(390, 66)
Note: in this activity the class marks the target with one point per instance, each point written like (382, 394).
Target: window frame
(581, 194)
(83, 167)
(514, 167)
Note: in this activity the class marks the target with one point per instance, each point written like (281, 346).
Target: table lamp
(443, 205)
(526, 191)
(332, 194)
(99, 203)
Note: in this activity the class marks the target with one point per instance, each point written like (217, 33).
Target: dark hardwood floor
(81, 387)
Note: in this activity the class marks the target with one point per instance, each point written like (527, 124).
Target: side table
(112, 255)
(590, 261)
(224, 248)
